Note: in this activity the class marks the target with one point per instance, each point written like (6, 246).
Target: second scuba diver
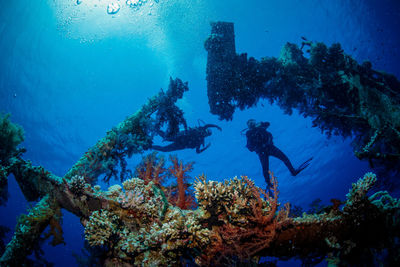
(259, 140)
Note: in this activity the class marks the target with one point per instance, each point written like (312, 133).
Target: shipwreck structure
(341, 96)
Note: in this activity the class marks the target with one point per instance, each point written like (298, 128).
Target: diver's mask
(251, 123)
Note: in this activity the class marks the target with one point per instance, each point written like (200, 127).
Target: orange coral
(152, 169)
(56, 232)
(336, 204)
(244, 241)
(179, 170)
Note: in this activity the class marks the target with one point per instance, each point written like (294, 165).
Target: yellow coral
(114, 190)
(101, 225)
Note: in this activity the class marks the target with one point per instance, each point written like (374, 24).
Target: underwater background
(69, 72)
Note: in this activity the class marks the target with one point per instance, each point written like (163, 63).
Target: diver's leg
(265, 167)
(168, 148)
(277, 153)
(199, 150)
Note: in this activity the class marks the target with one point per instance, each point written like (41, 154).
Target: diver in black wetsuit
(260, 141)
(189, 138)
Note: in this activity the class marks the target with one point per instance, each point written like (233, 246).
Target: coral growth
(359, 190)
(132, 136)
(11, 135)
(246, 222)
(151, 168)
(184, 199)
(143, 228)
(77, 185)
(28, 230)
(238, 222)
(100, 227)
(144, 201)
(168, 115)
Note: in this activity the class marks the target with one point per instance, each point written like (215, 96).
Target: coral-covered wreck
(146, 222)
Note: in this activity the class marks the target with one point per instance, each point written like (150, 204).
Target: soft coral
(152, 169)
(185, 200)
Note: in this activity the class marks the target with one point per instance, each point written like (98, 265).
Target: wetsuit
(259, 140)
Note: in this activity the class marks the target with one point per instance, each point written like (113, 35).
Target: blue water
(69, 73)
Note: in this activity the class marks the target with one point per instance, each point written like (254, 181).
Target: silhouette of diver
(188, 138)
(260, 141)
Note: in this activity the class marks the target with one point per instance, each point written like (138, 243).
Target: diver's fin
(303, 166)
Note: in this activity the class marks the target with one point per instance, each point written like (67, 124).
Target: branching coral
(179, 170)
(55, 230)
(237, 221)
(168, 114)
(142, 227)
(246, 223)
(100, 227)
(11, 135)
(151, 168)
(139, 230)
(359, 190)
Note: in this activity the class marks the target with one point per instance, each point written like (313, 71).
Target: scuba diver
(188, 138)
(260, 141)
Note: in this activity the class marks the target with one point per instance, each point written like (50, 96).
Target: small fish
(304, 38)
